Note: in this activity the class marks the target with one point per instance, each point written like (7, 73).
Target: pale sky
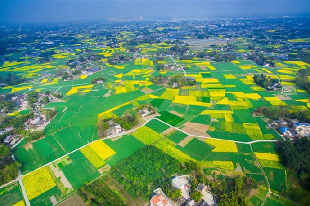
(47, 11)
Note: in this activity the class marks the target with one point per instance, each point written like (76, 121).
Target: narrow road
(20, 180)
(177, 65)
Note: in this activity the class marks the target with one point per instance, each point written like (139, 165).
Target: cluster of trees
(159, 79)
(6, 104)
(66, 76)
(16, 122)
(127, 121)
(35, 136)
(8, 167)
(94, 80)
(98, 193)
(145, 170)
(178, 49)
(222, 57)
(160, 67)
(264, 81)
(261, 59)
(50, 113)
(10, 79)
(57, 95)
(232, 191)
(32, 97)
(302, 79)
(296, 157)
(276, 112)
(181, 81)
(76, 72)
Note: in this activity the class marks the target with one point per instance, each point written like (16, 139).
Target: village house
(182, 182)
(144, 112)
(91, 71)
(159, 198)
(11, 140)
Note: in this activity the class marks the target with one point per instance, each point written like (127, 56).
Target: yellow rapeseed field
(92, 156)
(17, 89)
(20, 203)
(102, 149)
(228, 165)
(274, 101)
(74, 90)
(38, 182)
(169, 147)
(229, 76)
(267, 156)
(222, 145)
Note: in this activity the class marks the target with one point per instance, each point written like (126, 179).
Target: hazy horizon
(25, 11)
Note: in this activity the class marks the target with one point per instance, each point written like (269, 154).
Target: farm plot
(274, 200)
(277, 179)
(46, 198)
(222, 145)
(202, 119)
(258, 196)
(264, 147)
(197, 149)
(79, 170)
(226, 165)
(168, 147)
(11, 195)
(157, 126)
(123, 147)
(102, 149)
(38, 182)
(171, 119)
(177, 136)
(92, 156)
(146, 135)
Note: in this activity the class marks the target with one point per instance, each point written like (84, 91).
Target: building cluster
(182, 182)
(292, 129)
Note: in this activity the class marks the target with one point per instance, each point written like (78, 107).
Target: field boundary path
(177, 64)
(20, 180)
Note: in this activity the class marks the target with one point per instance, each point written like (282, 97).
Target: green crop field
(80, 170)
(10, 194)
(123, 147)
(171, 119)
(177, 136)
(197, 149)
(157, 126)
(277, 179)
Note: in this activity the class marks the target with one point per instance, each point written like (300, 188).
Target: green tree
(196, 195)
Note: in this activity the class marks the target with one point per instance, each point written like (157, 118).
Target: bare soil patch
(195, 129)
(203, 67)
(147, 90)
(168, 131)
(282, 97)
(151, 116)
(58, 173)
(176, 113)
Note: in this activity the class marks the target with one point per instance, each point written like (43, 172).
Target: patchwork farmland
(207, 118)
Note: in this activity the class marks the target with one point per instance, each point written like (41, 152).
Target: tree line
(296, 157)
